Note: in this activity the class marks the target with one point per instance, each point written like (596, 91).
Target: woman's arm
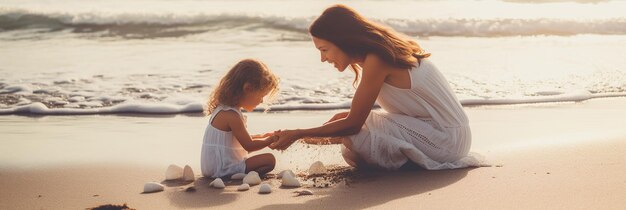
(374, 74)
(238, 129)
(337, 116)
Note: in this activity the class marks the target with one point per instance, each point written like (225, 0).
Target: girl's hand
(285, 139)
(337, 116)
(271, 139)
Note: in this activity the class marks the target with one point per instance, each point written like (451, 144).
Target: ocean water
(163, 56)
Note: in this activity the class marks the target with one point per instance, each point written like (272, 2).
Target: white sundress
(222, 154)
(425, 124)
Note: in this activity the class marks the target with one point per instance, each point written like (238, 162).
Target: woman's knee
(347, 142)
(349, 156)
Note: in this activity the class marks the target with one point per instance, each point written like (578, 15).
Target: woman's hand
(285, 139)
(337, 116)
(261, 136)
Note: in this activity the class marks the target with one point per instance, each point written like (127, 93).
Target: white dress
(425, 124)
(222, 154)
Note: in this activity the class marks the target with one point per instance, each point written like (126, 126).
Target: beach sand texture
(545, 156)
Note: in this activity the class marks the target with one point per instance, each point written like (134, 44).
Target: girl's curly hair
(230, 90)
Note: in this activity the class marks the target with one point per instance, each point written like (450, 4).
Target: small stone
(252, 178)
(188, 174)
(173, 172)
(243, 187)
(265, 189)
(151, 187)
(190, 189)
(282, 173)
(317, 168)
(217, 183)
(290, 181)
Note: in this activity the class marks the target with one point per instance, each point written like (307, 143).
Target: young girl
(226, 141)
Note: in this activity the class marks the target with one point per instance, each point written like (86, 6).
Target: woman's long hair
(230, 90)
(357, 37)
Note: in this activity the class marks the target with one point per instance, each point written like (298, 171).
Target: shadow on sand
(200, 196)
(377, 187)
(367, 189)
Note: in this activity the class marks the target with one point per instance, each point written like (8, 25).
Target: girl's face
(252, 99)
(330, 53)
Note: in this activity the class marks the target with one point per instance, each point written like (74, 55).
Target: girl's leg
(262, 164)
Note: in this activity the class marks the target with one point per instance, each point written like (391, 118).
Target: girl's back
(222, 154)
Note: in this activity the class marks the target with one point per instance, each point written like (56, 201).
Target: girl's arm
(373, 77)
(261, 136)
(238, 129)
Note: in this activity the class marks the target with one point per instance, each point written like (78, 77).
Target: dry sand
(554, 156)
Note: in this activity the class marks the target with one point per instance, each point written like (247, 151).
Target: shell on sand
(280, 175)
(238, 176)
(252, 178)
(317, 168)
(243, 187)
(217, 183)
(152, 187)
(304, 192)
(265, 188)
(290, 181)
(188, 174)
(173, 172)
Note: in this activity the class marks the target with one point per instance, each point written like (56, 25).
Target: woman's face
(330, 53)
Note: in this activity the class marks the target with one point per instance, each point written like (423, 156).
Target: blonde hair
(358, 36)
(230, 89)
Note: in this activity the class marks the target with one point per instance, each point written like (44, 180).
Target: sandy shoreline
(556, 156)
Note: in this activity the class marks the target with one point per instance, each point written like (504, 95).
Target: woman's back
(430, 96)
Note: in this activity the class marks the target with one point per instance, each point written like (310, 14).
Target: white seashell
(252, 178)
(152, 187)
(173, 172)
(304, 192)
(290, 181)
(265, 188)
(317, 168)
(280, 175)
(217, 183)
(243, 187)
(238, 176)
(188, 174)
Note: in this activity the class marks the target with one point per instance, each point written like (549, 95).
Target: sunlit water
(157, 56)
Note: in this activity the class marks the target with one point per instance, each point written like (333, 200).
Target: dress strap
(224, 107)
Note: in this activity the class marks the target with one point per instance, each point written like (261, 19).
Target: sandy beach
(544, 156)
(98, 98)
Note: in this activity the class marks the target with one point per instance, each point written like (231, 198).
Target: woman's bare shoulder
(373, 61)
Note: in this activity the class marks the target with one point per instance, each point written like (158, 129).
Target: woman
(422, 121)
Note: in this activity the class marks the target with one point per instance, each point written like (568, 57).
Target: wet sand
(556, 156)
